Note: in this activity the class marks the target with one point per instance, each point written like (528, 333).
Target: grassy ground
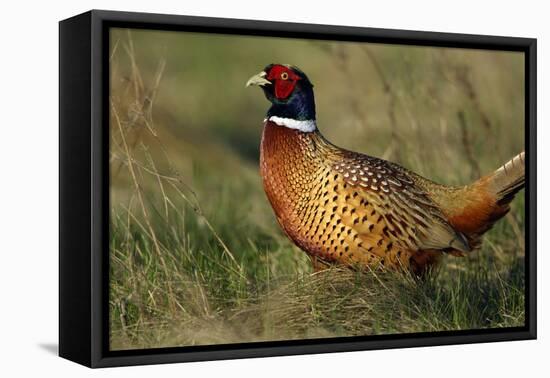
(196, 254)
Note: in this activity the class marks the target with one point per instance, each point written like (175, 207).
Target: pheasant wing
(411, 218)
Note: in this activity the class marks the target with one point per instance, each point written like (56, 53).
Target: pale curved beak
(258, 79)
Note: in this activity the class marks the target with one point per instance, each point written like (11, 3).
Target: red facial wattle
(284, 81)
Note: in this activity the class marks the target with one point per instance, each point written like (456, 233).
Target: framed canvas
(235, 188)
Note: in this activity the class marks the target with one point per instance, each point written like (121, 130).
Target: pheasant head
(291, 95)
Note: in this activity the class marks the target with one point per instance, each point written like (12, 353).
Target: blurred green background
(194, 242)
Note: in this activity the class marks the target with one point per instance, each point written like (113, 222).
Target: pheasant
(344, 207)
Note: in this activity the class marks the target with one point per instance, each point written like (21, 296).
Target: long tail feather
(473, 209)
(509, 179)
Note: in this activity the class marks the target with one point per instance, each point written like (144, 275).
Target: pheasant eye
(284, 76)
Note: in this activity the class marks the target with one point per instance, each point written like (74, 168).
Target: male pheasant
(349, 208)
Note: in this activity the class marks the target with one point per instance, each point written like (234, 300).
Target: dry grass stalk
(468, 147)
(392, 151)
(138, 190)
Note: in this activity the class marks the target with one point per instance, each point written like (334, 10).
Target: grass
(196, 256)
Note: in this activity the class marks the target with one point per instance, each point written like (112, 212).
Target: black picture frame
(84, 187)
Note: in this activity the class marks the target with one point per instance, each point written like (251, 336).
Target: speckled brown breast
(349, 208)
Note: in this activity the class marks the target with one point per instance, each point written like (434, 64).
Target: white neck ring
(306, 126)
